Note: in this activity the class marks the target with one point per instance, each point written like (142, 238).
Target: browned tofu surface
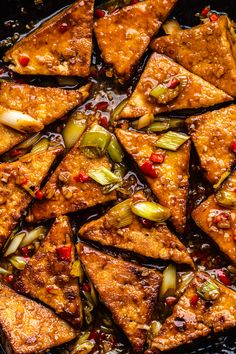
(194, 93)
(64, 194)
(207, 50)
(14, 199)
(28, 326)
(189, 322)
(61, 46)
(47, 274)
(155, 242)
(171, 185)
(45, 104)
(123, 36)
(219, 222)
(128, 290)
(212, 134)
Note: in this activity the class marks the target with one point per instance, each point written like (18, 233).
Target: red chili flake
(99, 13)
(25, 251)
(24, 60)
(101, 106)
(93, 335)
(39, 195)
(194, 300)
(64, 253)
(86, 287)
(63, 27)
(146, 223)
(15, 152)
(214, 17)
(9, 278)
(104, 122)
(223, 277)
(148, 169)
(52, 289)
(157, 157)
(171, 300)
(233, 146)
(173, 83)
(132, 2)
(205, 11)
(82, 177)
(88, 106)
(23, 181)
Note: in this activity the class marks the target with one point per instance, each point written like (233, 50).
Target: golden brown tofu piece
(155, 242)
(193, 91)
(212, 134)
(192, 319)
(45, 104)
(60, 46)
(47, 274)
(219, 222)
(207, 50)
(28, 326)
(65, 193)
(171, 185)
(15, 177)
(129, 291)
(123, 36)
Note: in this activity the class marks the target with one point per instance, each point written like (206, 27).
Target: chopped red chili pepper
(173, 83)
(223, 277)
(146, 223)
(93, 335)
(233, 146)
(88, 106)
(23, 181)
(82, 177)
(64, 253)
(25, 251)
(148, 169)
(86, 287)
(214, 17)
(15, 152)
(101, 106)
(132, 2)
(52, 289)
(63, 27)
(194, 300)
(157, 157)
(39, 195)
(24, 60)
(9, 278)
(99, 13)
(171, 300)
(205, 11)
(104, 122)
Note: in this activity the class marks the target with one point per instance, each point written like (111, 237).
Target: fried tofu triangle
(207, 50)
(218, 221)
(45, 104)
(47, 274)
(155, 242)
(61, 46)
(212, 134)
(29, 327)
(129, 291)
(177, 89)
(194, 317)
(19, 181)
(171, 184)
(124, 36)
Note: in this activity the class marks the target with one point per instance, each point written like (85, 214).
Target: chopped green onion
(209, 291)
(88, 308)
(94, 143)
(77, 271)
(74, 128)
(115, 150)
(41, 146)
(154, 329)
(4, 271)
(151, 211)
(176, 123)
(14, 244)
(33, 235)
(103, 176)
(143, 121)
(18, 262)
(33, 139)
(119, 171)
(159, 126)
(20, 121)
(226, 198)
(117, 111)
(86, 347)
(186, 278)
(158, 91)
(221, 180)
(169, 283)
(171, 140)
(121, 214)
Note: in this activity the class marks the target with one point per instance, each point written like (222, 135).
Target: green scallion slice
(18, 262)
(121, 214)
(119, 171)
(94, 143)
(115, 114)
(103, 176)
(209, 291)
(33, 235)
(158, 91)
(41, 146)
(226, 198)
(73, 130)
(171, 140)
(143, 121)
(151, 211)
(33, 139)
(14, 244)
(159, 126)
(221, 180)
(169, 283)
(115, 150)
(4, 271)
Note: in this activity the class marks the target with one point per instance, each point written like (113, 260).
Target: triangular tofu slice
(60, 46)
(20, 180)
(29, 327)
(155, 241)
(45, 104)
(218, 221)
(192, 92)
(207, 50)
(194, 317)
(123, 36)
(171, 184)
(66, 193)
(212, 134)
(47, 274)
(128, 290)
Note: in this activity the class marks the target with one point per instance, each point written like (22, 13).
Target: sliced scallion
(115, 150)
(94, 143)
(77, 271)
(169, 283)
(171, 140)
(41, 146)
(119, 171)
(159, 126)
(20, 121)
(14, 244)
(209, 291)
(158, 91)
(33, 235)
(74, 128)
(115, 114)
(4, 271)
(226, 198)
(18, 262)
(103, 176)
(121, 214)
(221, 180)
(33, 139)
(143, 121)
(151, 211)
